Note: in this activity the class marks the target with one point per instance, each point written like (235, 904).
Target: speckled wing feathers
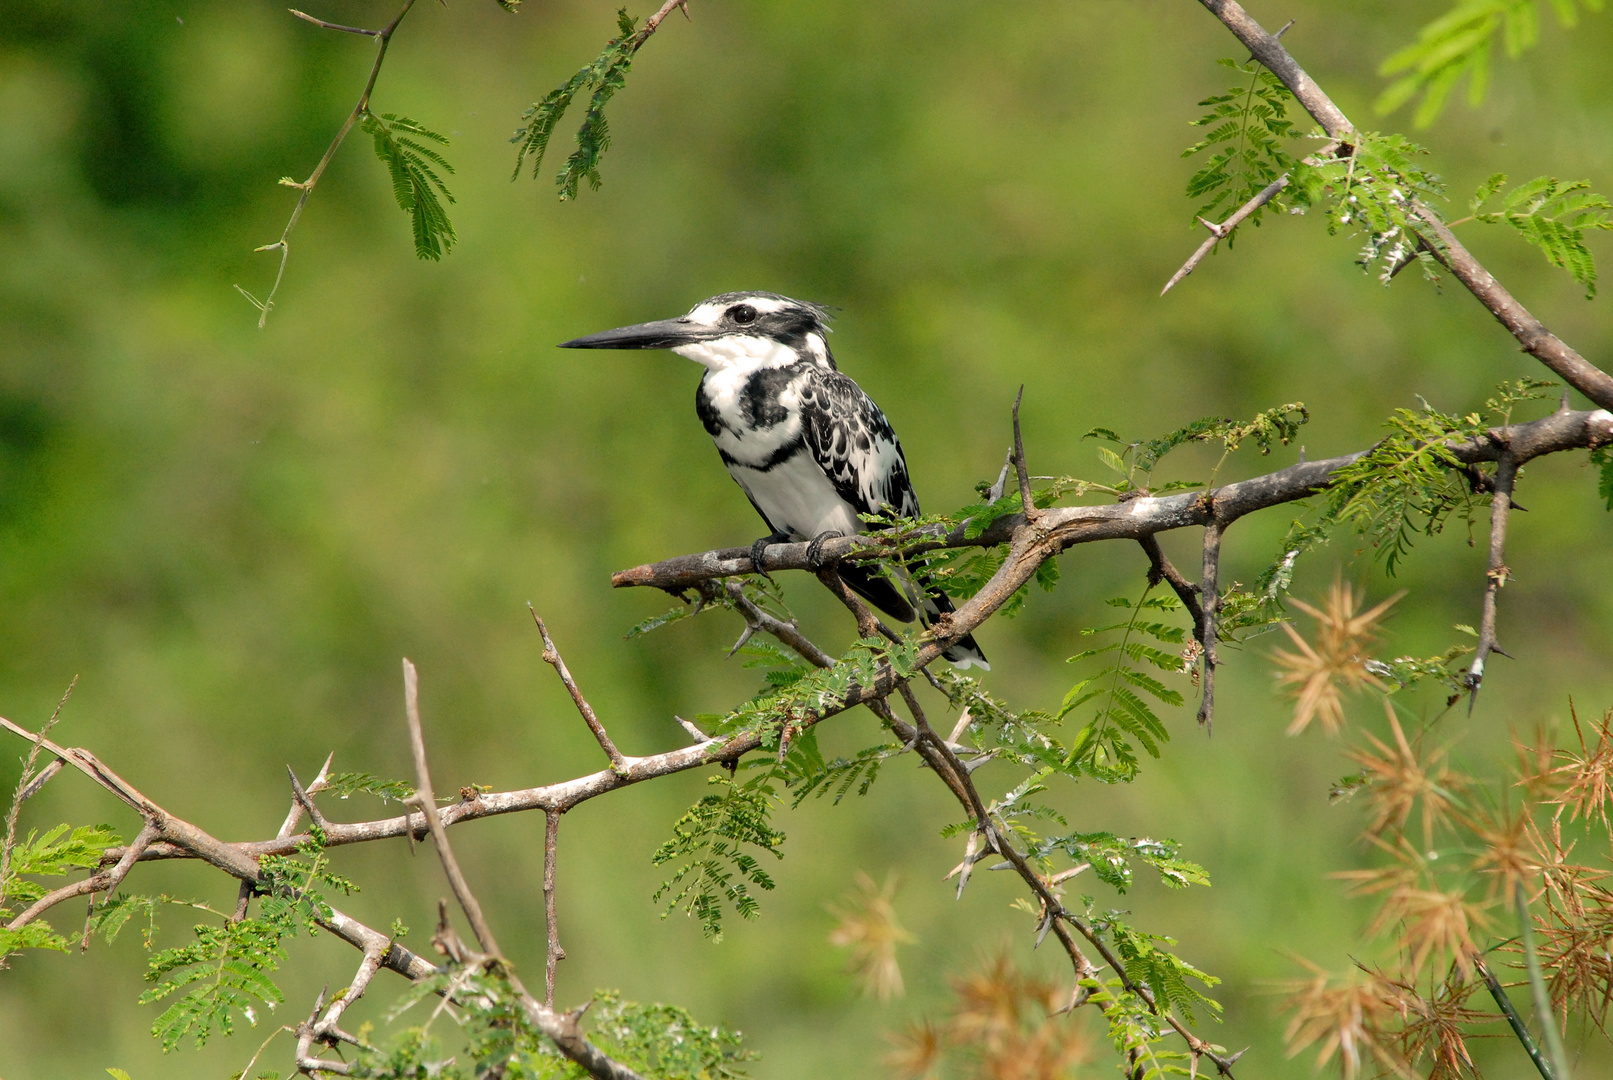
(854, 445)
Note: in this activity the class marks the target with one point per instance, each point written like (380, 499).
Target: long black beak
(662, 334)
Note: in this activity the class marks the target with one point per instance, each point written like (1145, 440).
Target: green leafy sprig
(1247, 128)
(600, 79)
(415, 182)
(1552, 215)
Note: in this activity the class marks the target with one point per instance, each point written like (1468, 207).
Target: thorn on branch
(1027, 503)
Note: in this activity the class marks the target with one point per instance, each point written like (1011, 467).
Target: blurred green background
(231, 535)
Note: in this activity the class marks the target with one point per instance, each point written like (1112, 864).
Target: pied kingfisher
(805, 444)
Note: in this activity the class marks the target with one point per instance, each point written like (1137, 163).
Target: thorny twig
(1495, 577)
(1542, 344)
(383, 38)
(1210, 595)
(551, 656)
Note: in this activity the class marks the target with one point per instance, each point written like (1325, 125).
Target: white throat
(738, 352)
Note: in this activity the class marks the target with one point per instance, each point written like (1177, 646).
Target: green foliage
(1137, 460)
(229, 966)
(1603, 458)
(1369, 187)
(1552, 216)
(1106, 748)
(410, 163)
(1110, 858)
(52, 854)
(1411, 482)
(1459, 43)
(348, 784)
(654, 1040)
(1247, 126)
(711, 834)
(601, 78)
(1165, 974)
(806, 773)
(665, 1041)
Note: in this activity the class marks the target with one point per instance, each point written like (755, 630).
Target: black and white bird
(805, 444)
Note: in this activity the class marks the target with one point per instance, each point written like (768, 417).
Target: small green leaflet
(1554, 216)
(415, 182)
(346, 784)
(711, 834)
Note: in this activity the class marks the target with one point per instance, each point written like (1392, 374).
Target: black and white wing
(854, 445)
(858, 450)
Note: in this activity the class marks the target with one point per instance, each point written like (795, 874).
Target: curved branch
(1531, 333)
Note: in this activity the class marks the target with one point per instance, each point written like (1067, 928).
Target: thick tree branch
(1537, 341)
(1134, 519)
(1210, 591)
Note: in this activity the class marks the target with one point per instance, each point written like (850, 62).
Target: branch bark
(1537, 341)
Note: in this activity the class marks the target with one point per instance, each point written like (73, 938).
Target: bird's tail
(899, 603)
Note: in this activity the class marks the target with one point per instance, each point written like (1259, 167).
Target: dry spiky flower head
(1401, 775)
(868, 927)
(1587, 776)
(1319, 674)
(1353, 1017)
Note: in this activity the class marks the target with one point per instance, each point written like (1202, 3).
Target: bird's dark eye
(743, 314)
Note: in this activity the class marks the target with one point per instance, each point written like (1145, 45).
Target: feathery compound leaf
(1554, 216)
(415, 182)
(600, 79)
(346, 784)
(718, 824)
(1459, 43)
(1247, 126)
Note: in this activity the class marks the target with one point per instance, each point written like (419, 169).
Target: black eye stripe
(742, 314)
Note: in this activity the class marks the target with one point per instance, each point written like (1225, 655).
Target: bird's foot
(814, 552)
(756, 549)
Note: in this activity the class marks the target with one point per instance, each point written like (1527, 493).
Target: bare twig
(383, 38)
(321, 779)
(551, 656)
(1160, 569)
(1221, 231)
(1020, 469)
(28, 784)
(1495, 577)
(1210, 597)
(554, 953)
(427, 803)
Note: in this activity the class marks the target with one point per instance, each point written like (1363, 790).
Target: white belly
(796, 496)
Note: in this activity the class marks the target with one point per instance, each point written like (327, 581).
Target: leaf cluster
(415, 183)
(1411, 482)
(1371, 186)
(228, 968)
(713, 835)
(1125, 691)
(1552, 215)
(1460, 43)
(53, 853)
(1248, 126)
(600, 79)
